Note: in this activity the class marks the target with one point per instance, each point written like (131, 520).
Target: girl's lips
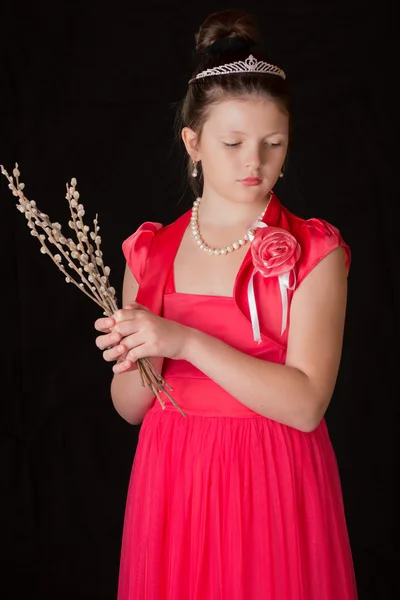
(251, 181)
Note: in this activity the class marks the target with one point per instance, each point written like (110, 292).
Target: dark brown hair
(226, 36)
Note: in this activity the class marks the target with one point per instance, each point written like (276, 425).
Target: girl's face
(242, 148)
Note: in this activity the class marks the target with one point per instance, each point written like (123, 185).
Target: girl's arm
(297, 393)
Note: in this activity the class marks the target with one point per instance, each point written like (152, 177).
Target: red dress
(226, 504)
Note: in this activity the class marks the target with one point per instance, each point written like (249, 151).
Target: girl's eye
(270, 144)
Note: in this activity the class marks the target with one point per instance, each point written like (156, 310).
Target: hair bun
(226, 30)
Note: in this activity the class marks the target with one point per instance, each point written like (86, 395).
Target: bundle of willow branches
(81, 262)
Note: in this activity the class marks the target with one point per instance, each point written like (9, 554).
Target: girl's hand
(134, 332)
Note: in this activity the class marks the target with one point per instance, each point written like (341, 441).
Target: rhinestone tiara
(250, 65)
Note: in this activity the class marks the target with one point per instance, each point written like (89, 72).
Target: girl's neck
(219, 211)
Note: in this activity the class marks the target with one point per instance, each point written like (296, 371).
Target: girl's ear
(190, 139)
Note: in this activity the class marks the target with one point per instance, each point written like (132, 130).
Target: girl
(241, 305)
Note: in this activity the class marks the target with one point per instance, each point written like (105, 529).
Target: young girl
(241, 305)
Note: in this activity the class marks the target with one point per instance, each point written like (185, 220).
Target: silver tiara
(250, 65)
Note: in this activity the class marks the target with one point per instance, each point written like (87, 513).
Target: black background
(91, 91)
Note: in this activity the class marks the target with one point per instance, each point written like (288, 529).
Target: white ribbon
(284, 287)
(253, 309)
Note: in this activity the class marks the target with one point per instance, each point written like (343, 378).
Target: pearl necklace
(218, 251)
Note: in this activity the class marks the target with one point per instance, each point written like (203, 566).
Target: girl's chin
(254, 192)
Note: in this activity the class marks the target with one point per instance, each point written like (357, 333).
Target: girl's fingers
(124, 314)
(104, 324)
(126, 328)
(121, 330)
(135, 306)
(123, 366)
(131, 341)
(114, 353)
(135, 348)
(106, 341)
(126, 344)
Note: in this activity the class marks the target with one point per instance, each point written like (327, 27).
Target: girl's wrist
(190, 342)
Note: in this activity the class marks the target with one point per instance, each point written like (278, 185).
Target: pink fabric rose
(274, 250)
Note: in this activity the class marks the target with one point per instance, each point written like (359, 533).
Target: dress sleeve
(136, 247)
(318, 239)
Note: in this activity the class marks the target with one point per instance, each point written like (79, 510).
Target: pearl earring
(194, 172)
(281, 175)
